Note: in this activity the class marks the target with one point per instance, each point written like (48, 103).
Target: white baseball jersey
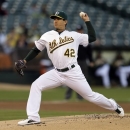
(62, 48)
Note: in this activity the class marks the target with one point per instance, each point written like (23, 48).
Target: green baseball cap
(59, 14)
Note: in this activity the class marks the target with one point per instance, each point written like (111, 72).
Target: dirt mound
(77, 122)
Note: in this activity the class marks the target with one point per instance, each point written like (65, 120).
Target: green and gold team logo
(62, 41)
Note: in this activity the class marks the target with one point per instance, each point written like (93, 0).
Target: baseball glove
(19, 66)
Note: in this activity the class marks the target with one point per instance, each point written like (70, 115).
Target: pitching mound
(78, 122)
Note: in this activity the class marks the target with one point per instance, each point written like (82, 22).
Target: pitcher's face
(59, 23)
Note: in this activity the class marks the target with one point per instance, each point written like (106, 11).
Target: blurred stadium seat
(112, 28)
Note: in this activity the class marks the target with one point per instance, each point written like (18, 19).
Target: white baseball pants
(123, 72)
(74, 79)
(103, 71)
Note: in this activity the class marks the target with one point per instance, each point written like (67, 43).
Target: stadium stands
(111, 29)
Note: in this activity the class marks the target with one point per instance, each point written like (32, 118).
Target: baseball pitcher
(62, 46)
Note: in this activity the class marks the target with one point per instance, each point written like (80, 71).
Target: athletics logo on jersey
(62, 41)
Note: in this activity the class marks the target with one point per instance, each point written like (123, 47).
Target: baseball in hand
(82, 14)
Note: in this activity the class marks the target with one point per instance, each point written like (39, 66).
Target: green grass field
(119, 94)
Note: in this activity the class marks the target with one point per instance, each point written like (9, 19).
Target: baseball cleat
(119, 109)
(28, 122)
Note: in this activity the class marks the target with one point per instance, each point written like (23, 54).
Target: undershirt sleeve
(32, 54)
(91, 32)
(39, 46)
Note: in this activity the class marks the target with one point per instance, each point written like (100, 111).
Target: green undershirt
(32, 54)
(91, 32)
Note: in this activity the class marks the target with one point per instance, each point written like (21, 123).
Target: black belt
(65, 69)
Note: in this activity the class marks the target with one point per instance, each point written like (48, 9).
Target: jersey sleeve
(40, 44)
(83, 39)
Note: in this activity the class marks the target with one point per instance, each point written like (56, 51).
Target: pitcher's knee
(34, 85)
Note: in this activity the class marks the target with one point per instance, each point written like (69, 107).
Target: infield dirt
(109, 121)
(82, 122)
